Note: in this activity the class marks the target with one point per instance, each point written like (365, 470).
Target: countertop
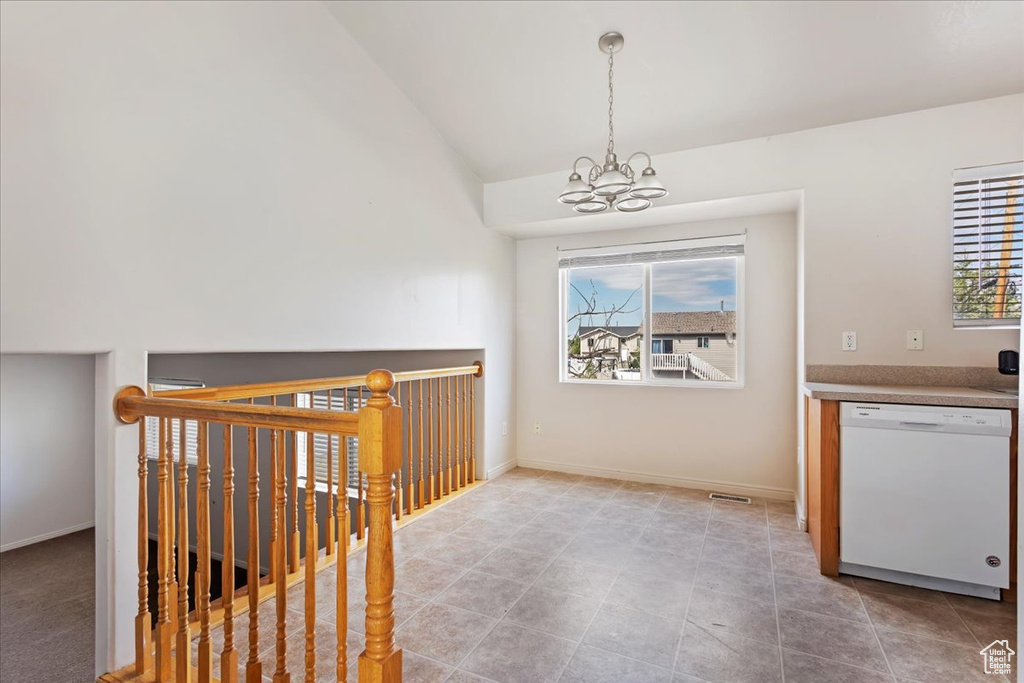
(915, 395)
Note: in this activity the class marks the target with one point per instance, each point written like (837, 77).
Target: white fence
(688, 362)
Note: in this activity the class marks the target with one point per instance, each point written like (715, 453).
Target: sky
(677, 286)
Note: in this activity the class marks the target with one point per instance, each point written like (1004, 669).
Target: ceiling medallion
(613, 184)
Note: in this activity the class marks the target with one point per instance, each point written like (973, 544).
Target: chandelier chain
(611, 101)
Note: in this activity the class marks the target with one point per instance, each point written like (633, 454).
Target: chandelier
(613, 184)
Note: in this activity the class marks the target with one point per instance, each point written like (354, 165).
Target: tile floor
(542, 576)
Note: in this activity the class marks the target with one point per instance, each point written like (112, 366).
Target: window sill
(677, 383)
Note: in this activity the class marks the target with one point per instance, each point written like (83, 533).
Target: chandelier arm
(575, 163)
(639, 154)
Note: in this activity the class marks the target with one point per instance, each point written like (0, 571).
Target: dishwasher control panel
(927, 418)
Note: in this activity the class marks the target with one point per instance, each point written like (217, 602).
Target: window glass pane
(604, 312)
(693, 316)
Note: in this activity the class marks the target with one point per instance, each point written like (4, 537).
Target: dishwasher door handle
(909, 423)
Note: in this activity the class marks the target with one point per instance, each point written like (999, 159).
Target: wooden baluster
(295, 539)
(341, 588)
(472, 421)
(343, 521)
(276, 530)
(172, 515)
(143, 620)
(457, 475)
(409, 454)
(361, 509)
(398, 475)
(440, 444)
(330, 485)
(430, 442)
(465, 430)
(312, 551)
(448, 439)
(419, 423)
(278, 560)
(183, 645)
(164, 631)
(253, 666)
(205, 655)
(380, 455)
(229, 657)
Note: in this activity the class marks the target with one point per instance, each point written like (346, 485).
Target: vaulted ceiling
(519, 88)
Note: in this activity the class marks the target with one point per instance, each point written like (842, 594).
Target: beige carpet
(47, 610)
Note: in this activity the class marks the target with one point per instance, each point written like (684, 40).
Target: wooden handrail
(130, 405)
(238, 391)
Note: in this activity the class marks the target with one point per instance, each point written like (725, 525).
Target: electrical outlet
(915, 340)
(504, 428)
(536, 427)
(849, 341)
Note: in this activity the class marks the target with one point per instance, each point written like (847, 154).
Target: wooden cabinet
(821, 445)
(822, 449)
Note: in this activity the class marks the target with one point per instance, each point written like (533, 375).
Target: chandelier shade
(647, 186)
(576, 191)
(590, 206)
(628, 204)
(613, 184)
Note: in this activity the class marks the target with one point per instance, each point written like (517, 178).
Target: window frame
(975, 173)
(647, 378)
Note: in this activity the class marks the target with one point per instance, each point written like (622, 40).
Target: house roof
(694, 322)
(617, 330)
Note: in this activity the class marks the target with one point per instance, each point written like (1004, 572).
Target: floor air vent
(729, 498)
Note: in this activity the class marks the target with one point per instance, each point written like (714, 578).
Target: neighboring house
(708, 335)
(607, 348)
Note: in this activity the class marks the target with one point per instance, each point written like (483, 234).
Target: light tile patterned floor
(542, 576)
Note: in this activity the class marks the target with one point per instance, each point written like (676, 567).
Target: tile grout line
(874, 630)
(693, 588)
(775, 598)
(601, 603)
(512, 606)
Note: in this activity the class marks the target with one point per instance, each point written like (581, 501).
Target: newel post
(380, 456)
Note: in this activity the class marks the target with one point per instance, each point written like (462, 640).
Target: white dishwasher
(924, 496)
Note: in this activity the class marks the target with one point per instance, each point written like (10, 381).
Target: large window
(987, 245)
(351, 444)
(191, 427)
(659, 313)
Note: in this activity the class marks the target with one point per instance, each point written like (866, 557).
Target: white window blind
(987, 245)
(191, 427)
(320, 442)
(652, 252)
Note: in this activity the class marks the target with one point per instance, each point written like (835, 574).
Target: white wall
(46, 447)
(740, 440)
(876, 214)
(186, 177)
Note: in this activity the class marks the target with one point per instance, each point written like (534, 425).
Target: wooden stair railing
(165, 652)
(403, 469)
(439, 446)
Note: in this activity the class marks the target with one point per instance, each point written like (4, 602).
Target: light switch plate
(849, 341)
(915, 340)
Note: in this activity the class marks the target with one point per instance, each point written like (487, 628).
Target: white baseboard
(608, 473)
(47, 537)
(501, 469)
